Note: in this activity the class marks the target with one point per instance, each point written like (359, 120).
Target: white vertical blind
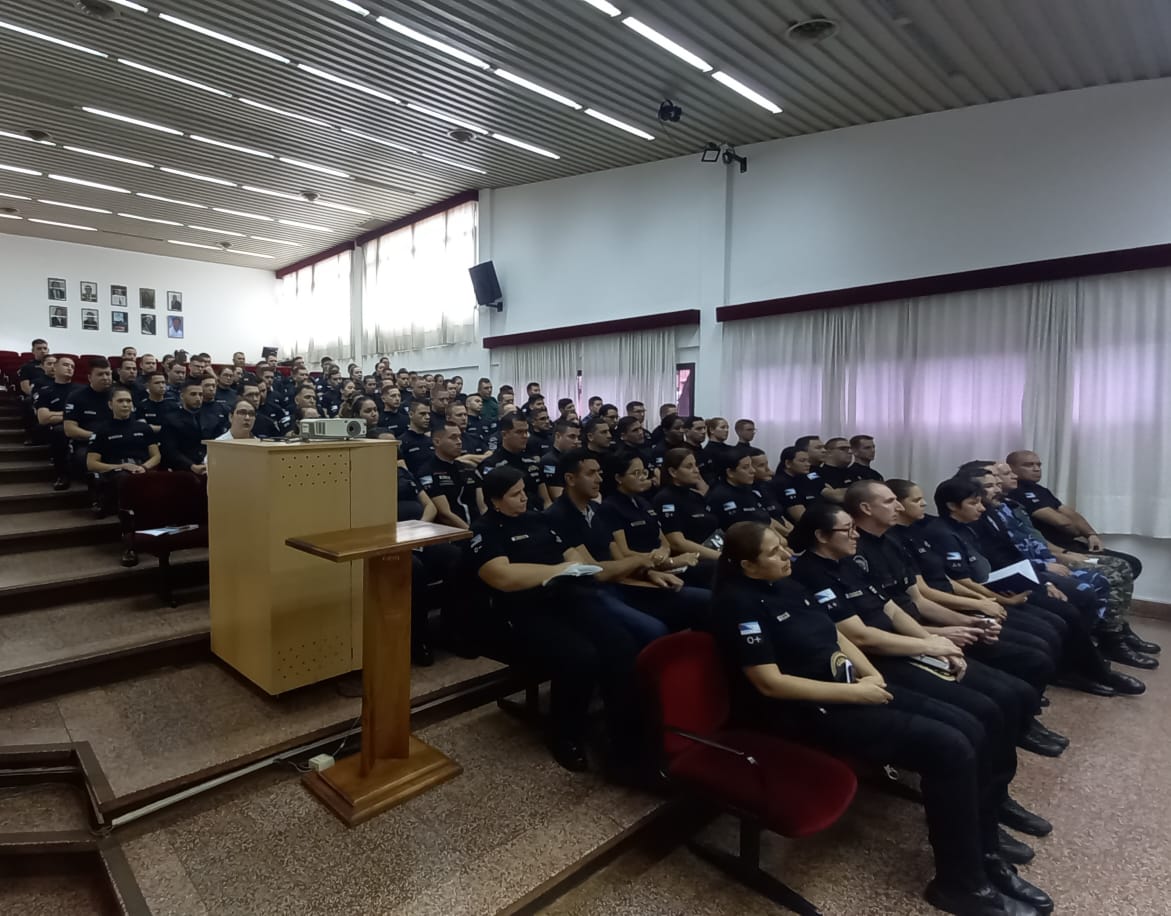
(314, 309)
(554, 365)
(630, 367)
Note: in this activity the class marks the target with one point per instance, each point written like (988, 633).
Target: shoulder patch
(825, 595)
(749, 628)
(862, 562)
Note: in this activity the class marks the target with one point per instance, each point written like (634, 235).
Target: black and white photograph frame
(120, 321)
(58, 317)
(57, 291)
(175, 326)
(89, 291)
(146, 298)
(118, 297)
(174, 301)
(148, 324)
(90, 320)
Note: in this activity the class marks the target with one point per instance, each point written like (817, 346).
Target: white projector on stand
(337, 428)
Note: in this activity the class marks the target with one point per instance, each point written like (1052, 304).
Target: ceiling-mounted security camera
(669, 111)
(225, 245)
(310, 196)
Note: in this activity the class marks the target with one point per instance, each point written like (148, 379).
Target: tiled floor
(51, 895)
(42, 567)
(1108, 796)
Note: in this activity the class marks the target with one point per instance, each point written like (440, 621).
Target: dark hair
(511, 420)
(630, 405)
(726, 459)
(116, 389)
(818, 516)
(955, 490)
(39, 340)
(976, 465)
(901, 488)
(506, 389)
(161, 375)
(625, 423)
(689, 422)
(740, 424)
(668, 421)
(802, 443)
(856, 441)
(356, 405)
(563, 403)
(98, 362)
(620, 462)
(753, 451)
(415, 405)
(789, 453)
(742, 541)
(606, 408)
(593, 423)
(192, 382)
(561, 427)
(860, 491)
(674, 459)
(499, 481)
(592, 399)
(572, 461)
(832, 439)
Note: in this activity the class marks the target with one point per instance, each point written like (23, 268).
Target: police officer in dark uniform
(154, 404)
(836, 470)
(540, 430)
(717, 432)
(513, 452)
(214, 416)
(87, 411)
(225, 390)
(566, 438)
(29, 378)
(263, 427)
(183, 432)
(272, 408)
(800, 675)
(454, 487)
(690, 527)
(523, 562)
(732, 498)
(862, 448)
(415, 442)
(632, 438)
(670, 434)
(391, 414)
(50, 405)
(791, 484)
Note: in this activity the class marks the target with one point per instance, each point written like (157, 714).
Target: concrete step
(16, 451)
(52, 529)
(26, 471)
(38, 497)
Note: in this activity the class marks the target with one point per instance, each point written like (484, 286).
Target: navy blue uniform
(528, 465)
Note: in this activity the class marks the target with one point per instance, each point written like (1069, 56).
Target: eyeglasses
(851, 530)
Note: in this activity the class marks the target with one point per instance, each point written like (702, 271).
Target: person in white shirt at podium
(242, 420)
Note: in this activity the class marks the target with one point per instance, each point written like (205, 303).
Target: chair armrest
(708, 742)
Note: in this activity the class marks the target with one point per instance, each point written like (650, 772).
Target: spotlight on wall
(730, 157)
(669, 111)
(711, 153)
(715, 152)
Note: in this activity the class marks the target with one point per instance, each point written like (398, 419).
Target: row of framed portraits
(59, 292)
(119, 321)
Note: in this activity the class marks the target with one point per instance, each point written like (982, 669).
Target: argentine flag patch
(825, 595)
(750, 628)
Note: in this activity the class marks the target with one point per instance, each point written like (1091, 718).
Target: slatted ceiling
(876, 68)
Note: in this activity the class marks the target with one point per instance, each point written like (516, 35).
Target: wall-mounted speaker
(486, 285)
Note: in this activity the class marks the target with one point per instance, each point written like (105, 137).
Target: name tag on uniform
(113, 437)
(1032, 496)
(477, 540)
(519, 537)
(638, 523)
(857, 594)
(549, 469)
(812, 475)
(825, 595)
(781, 618)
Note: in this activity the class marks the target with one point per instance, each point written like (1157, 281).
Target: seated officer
(154, 404)
(183, 432)
(836, 470)
(732, 497)
(176, 376)
(513, 452)
(391, 415)
(694, 435)
(745, 431)
(862, 448)
(794, 491)
(272, 420)
(566, 438)
(50, 406)
(477, 424)
(609, 413)
(29, 377)
(598, 437)
(88, 410)
(242, 420)
(683, 514)
(440, 399)
(670, 435)
(717, 431)
(665, 410)
(304, 398)
(790, 656)
(566, 409)
(540, 430)
(128, 376)
(415, 443)
(225, 389)
(213, 413)
(454, 487)
(632, 438)
(636, 409)
(519, 557)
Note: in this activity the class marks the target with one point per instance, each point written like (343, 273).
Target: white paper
(1023, 568)
(576, 569)
(174, 529)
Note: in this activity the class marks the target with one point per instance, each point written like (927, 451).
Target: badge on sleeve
(790, 492)
(668, 508)
(749, 628)
(477, 542)
(862, 562)
(825, 596)
(781, 618)
(953, 556)
(730, 506)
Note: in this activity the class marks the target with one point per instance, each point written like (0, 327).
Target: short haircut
(1018, 457)
(728, 458)
(593, 423)
(619, 463)
(98, 362)
(606, 408)
(625, 423)
(899, 487)
(831, 442)
(818, 516)
(478, 384)
(668, 421)
(594, 399)
(789, 453)
(561, 427)
(119, 389)
(753, 451)
(40, 341)
(955, 490)
(506, 389)
(563, 403)
(802, 443)
(740, 424)
(630, 405)
(154, 375)
(975, 465)
(512, 420)
(571, 462)
(499, 481)
(192, 382)
(856, 441)
(860, 491)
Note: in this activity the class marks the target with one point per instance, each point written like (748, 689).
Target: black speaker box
(486, 285)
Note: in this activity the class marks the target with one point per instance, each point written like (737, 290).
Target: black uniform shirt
(32, 373)
(863, 472)
(540, 441)
(528, 465)
(277, 415)
(213, 419)
(957, 544)
(576, 528)
(794, 490)
(768, 499)
(410, 507)
(1033, 496)
(152, 411)
(841, 590)
(124, 442)
(929, 563)
(632, 515)
(732, 504)
(227, 396)
(182, 439)
(415, 449)
(89, 408)
(708, 460)
(995, 542)
(683, 509)
(658, 453)
(777, 623)
(839, 478)
(54, 396)
(397, 422)
(549, 462)
(454, 481)
(527, 538)
(888, 568)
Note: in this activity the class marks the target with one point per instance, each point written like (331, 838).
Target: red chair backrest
(685, 676)
(162, 498)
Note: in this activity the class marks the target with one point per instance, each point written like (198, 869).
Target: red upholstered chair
(765, 781)
(164, 499)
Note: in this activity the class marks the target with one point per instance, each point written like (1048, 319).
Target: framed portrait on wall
(118, 296)
(148, 324)
(174, 301)
(58, 316)
(89, 291)
(56, 289)
(175, 326)
(119, 321)
(146, 298)
(89, 320)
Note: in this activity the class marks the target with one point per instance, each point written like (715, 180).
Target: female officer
(523, 562)
(632, 527)
(683, 515)
(717, 434)
(366, 409)
(733, 499)
(794, 664)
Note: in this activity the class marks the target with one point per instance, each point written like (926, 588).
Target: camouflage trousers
(1117, 579)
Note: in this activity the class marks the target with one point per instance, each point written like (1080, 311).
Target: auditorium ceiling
(283, 127)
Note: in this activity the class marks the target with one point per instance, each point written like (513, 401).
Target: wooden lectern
(280, 618)
(394, 765)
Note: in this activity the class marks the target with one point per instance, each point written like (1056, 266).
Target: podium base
(355, 798)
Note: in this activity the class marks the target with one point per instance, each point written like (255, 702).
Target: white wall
(225, 308)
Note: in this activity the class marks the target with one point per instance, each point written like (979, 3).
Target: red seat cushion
(795, 790)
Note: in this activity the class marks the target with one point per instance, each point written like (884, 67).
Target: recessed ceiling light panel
(512, 141)
(667, 44)
(195, 176)
(751, 94)
(220, 36)
(621, 125)
(89, 184)
(435, 43)
(101, 112)
(171, 76)
(537, 88)
(90, 152)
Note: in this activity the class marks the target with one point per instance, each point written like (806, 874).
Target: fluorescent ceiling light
(117, 117)
(614, 122)
(220, 36)
(342, 81)
(520, 143)
(58, 203)
(16, 196)
(379, 140)
(281, 194)
(150, 219)
(57, 41)
(251, 254)
(49, 222)
(232, 146)
(667, 44)
(90, 152)
(195, 176)
(89, 184)
(751, 94)
(450, 119)
(134, 6)
(608, 8)
(171, 76)
(353, 7)
(194, 245)
(433, 43)
(27, 139)
(265, 238)
(453, 163)
(170, 200)
(19, 170)
(537, 88)
(324, 169)
(243, 214)
(343, 207)
(283, 113)
(293, 222)
(238, 235)
(9, 216)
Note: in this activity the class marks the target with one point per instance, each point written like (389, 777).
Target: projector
(338, 428)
